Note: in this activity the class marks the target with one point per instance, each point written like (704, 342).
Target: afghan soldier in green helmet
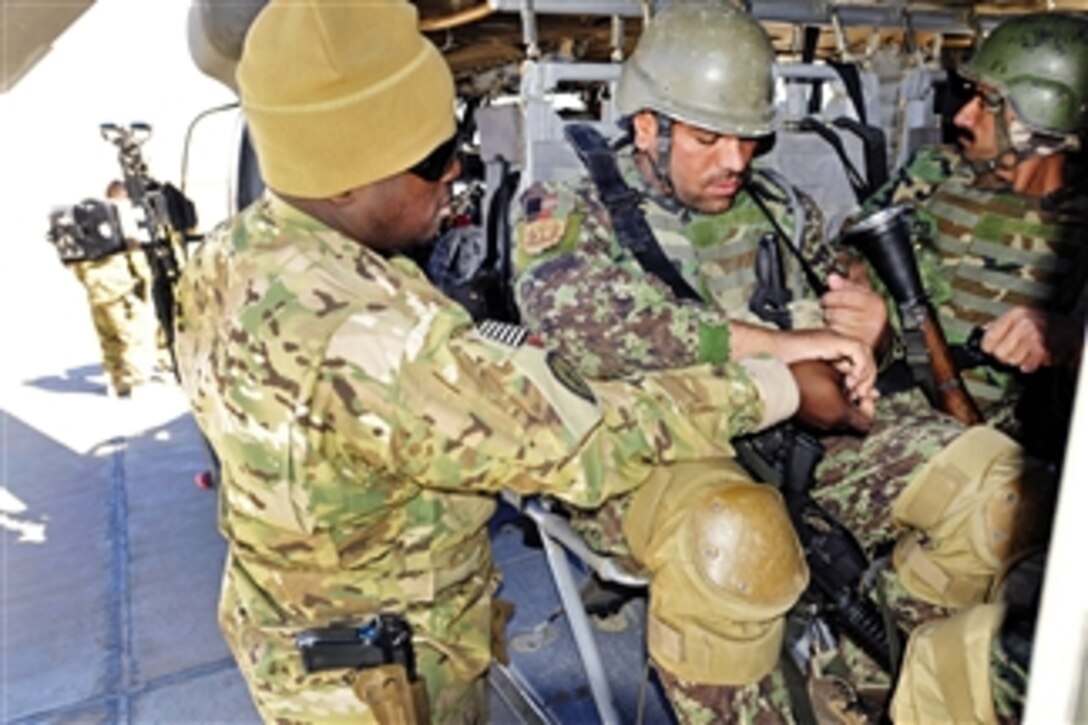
(999, 226)
(578, 285)
(697, 97)
(364, 423)
(998, 230)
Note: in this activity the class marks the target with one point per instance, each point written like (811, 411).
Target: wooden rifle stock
(950, 393)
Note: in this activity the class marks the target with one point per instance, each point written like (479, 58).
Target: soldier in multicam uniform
(119, 294)
(697, 100)
(155, 336)
(1000, 225)
(364, 424)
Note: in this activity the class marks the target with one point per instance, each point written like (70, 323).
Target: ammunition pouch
(977, 505)
(726, 566)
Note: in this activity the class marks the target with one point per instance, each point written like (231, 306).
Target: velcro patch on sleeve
(549, 223)
(538, 202)
(559, 382)
(567, 374)
(554, 377)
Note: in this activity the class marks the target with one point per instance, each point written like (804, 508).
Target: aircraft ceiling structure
(479, 35)
(27, 32)
(476, 36)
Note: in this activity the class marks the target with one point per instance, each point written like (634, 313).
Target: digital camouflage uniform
(981, 252)
(364, 424)
(119, 297)
(589, 294)
(593, 300)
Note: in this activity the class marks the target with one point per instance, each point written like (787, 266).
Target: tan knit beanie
(341, 93)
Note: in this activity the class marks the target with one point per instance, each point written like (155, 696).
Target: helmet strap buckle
(661, 167)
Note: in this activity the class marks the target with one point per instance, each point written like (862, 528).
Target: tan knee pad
(976, 505)
(726, 566)
(945, 675)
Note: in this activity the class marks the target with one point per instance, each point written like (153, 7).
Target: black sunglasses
(438, 162)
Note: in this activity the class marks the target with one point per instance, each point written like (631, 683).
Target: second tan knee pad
(976, 505)
(726, 566)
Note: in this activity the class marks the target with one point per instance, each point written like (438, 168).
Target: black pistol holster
(380, 651)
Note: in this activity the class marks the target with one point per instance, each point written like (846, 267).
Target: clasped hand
(836, 377)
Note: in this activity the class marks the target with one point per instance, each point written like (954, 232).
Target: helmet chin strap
(667, 198)
(1008, 155)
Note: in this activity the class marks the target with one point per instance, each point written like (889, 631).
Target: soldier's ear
(644, 125)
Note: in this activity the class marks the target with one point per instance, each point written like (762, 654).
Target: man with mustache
(697, 103)
(998, 232)
(999, 228)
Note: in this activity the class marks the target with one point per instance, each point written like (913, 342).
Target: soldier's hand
(852, 359)
(1029, 339)
(853, 309)
(825, 403)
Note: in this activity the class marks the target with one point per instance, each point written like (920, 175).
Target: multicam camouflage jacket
(360, 417)
(983, 251)
(588, 293)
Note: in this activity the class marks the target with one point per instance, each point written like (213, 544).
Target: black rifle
(167, 216)
(836, 562)
(771, 299)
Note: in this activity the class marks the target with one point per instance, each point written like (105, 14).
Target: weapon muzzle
(883, 239)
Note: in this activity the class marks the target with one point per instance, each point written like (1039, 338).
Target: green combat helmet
(706, 63)
(1039, 65)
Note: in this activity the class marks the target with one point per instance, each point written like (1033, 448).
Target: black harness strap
(622, 202)
(851, 80)
(876, 154)
(857, 181)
